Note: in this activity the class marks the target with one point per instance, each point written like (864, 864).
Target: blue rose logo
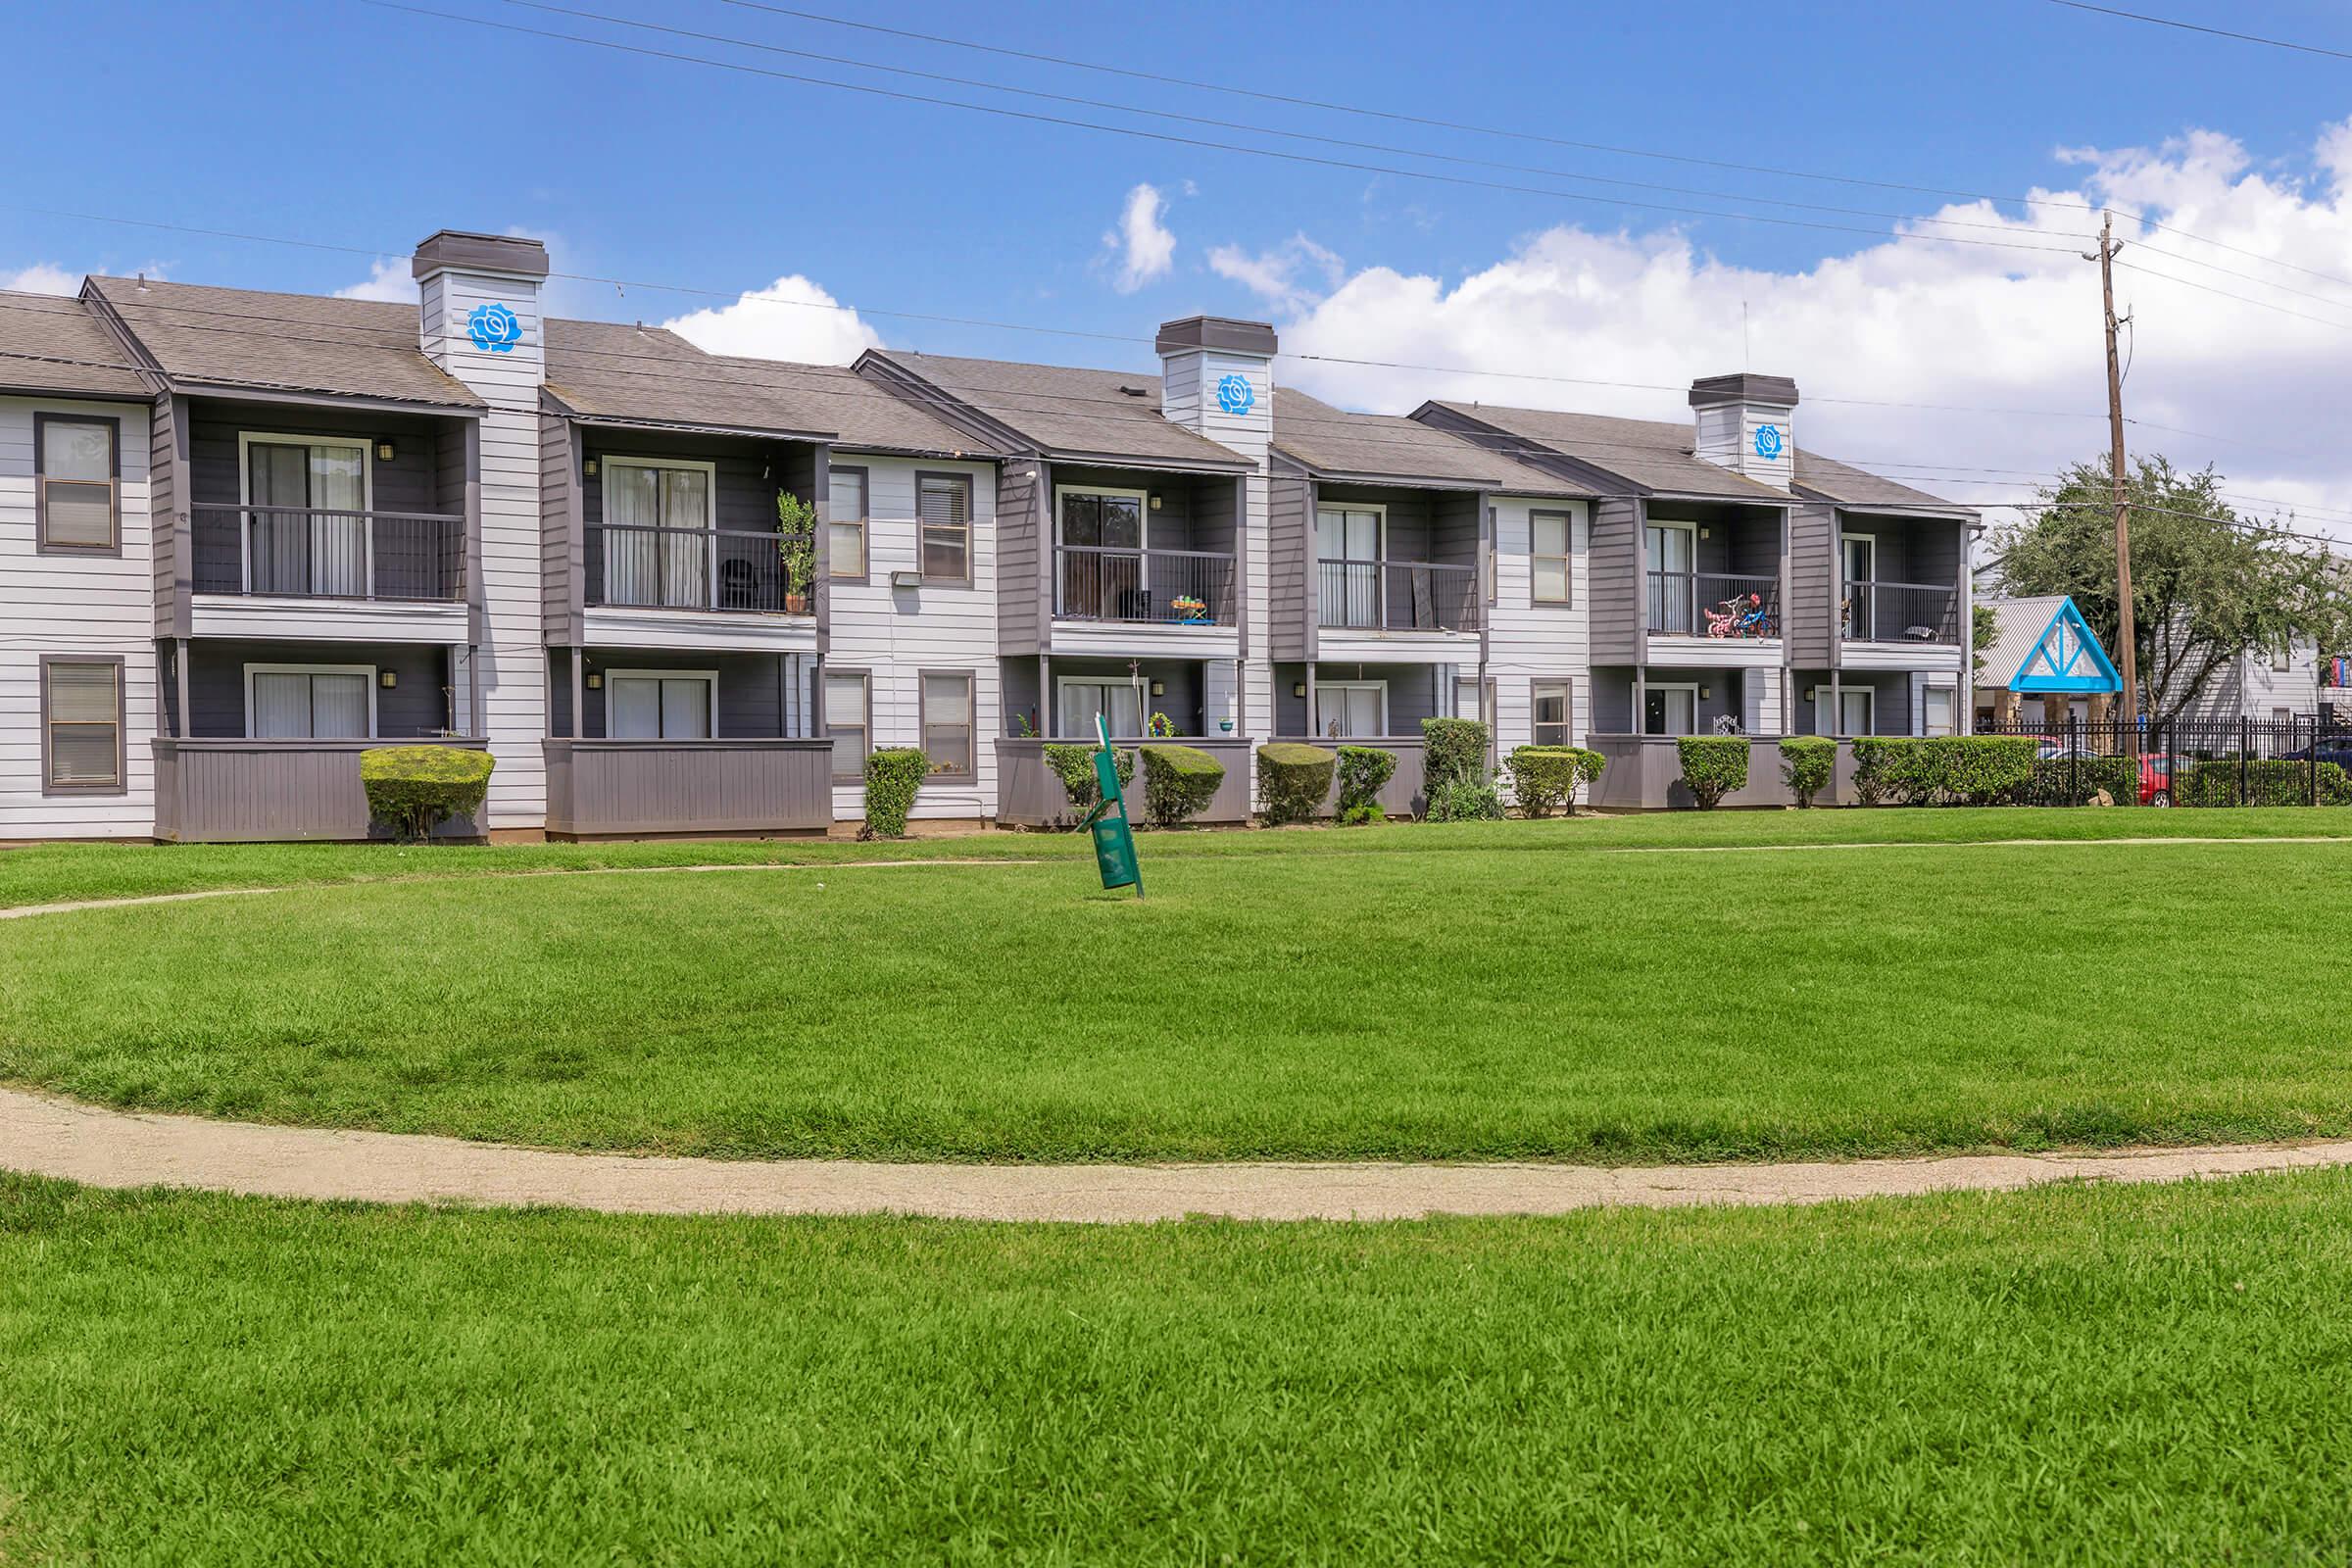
(494, 328)
(1236, 396)
(1768, 441)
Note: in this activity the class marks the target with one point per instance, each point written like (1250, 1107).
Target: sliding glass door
(318, 543)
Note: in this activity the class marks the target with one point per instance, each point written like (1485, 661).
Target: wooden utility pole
(2125, 633)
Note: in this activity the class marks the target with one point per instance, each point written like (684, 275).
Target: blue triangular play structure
(2067, 658)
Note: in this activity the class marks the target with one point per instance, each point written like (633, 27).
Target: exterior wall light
(589, 468)
(1159, 688)
(388, 679)
(596, 683)
(1299, 688)
(385, 452)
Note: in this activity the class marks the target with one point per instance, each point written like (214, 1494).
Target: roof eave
(261, 392)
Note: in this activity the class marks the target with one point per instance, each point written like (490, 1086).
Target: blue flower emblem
(1768, 441)
(494, 328)
(1236, 396)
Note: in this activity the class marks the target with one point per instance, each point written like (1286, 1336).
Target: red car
(2155, 769)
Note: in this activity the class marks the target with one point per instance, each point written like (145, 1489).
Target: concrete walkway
(103, 1148)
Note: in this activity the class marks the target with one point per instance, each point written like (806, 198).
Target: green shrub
(1179, 782)
(1943, 769)
(1074, 765)
(892, 776)
(1363, 770)
(2274, 783)
(414, 789)
(1453, 748)
(1713, 766)
(1808, 765)
(1545, 777)
(1367, 814)
(1293, 780)
(2078, 782)
(1465, 800)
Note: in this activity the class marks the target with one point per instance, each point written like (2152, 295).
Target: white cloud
(792, 319)
(41, 277)
(1909, 321)
(386, 280)
(1143, 247)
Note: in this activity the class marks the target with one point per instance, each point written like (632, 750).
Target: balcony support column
(179, 676)
(580, 693)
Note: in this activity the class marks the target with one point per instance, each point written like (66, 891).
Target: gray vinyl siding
(1216, 514)
(1457, 526)
(415, 708)
(1616, 581)
(750, 689)
(1612, 701)
(165, 478)
(1023, 558)
(1290, 543)
(562, 548)
(1809, 625)
(747, 477)
(1923, 551)
(413, 481)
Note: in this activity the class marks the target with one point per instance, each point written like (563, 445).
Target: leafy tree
(2206, 585)
(1982, 627)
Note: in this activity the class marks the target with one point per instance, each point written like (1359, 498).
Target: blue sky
(338, 122)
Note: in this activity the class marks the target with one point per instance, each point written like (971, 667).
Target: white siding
(1529, 642)
(1189, 379)
(513, 655)
(897, 633)
(67, 605)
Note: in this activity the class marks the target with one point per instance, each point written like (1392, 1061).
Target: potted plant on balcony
(1189, 610)
(796, 526)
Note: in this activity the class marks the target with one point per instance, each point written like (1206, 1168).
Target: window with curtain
(306, 529)
(947, 706)
(656, 534)
(1080, 702)
(293, 703)
(82, 745)
(1939, 705)
(1549, 555)
(944, 511)
(1351, 711)
(845, 524)
(846, 721)
(645, 706)
(1554, 714)
(77, 468)
(1347, 566)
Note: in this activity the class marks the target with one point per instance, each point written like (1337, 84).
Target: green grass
(2071, 1375)
(1452, 999)
(45, 874)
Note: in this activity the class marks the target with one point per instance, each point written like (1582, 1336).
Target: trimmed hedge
(1545, 777)
(1292, 779)
(2284, 782)
(1074, 765)
(414, 789)
(1179, 782)
(1808, 765)
(1465, 800)
(1452, 749)
(1943, 769)
(1713, 766)
(892, 776)
(1363, 770)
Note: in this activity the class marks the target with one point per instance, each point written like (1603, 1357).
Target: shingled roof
(1336, 443)
(240, 337)
(1101, 415)
(52, 344)
(1652, 455)
(1827, 479)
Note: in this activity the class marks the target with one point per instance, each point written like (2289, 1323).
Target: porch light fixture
(1706, 693)
(384, 452)
(1809, 691)
(388, 678)
(1159, 688)
(1299, 688)
(595, 682)
(1155, 503)
(589, 468)
(1702, 533)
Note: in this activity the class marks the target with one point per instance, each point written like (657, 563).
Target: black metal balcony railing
(315, 553)
(1174, 587)
(1711, 603)
(1901, 612)
(1397, 596)
(638, 568)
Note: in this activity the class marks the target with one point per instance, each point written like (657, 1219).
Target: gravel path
(104, 1147)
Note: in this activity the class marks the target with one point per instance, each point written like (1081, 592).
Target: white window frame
(247, 439)
(1641, 719)
(865, 727)
(1846, 587)
(1927, 691)
(971, 722)
(1378, 564)
(710, 470)
(708, 677)
(1061, 703)
(1698, 613)
(1835, 712)
(368, 670)
(1567, 559)
(1535, 696)
(1314, 720)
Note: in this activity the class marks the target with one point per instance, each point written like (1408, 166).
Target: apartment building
(250, 534)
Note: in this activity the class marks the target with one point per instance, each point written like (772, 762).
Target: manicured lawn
(1435, 996)
(55, 872)
(2080, 1375)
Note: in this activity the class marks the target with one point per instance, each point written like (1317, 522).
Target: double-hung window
(661, 705)
(1938, 706)
(1550, 548)
(845, 526)
(310, 701)
(306, 516)
(947, 720)
(78, 469)
(1352, 709)
(1553, 715)
(656, 534)
(848, 720)
(81, 726)
(944, 520)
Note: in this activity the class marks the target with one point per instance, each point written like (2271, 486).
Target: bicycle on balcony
(1740, 615)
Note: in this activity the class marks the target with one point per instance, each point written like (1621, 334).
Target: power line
(2211, 32)
(2262, 305)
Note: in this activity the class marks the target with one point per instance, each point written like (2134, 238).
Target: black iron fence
(2292, 759)
(1900, 612)
(1711, 603)
(1182, 587)
(1397, 596)
(319, 553)
(701, 568)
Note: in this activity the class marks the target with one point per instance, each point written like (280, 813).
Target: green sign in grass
(1114, 836)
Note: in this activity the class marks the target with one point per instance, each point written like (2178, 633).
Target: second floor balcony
(1163, 587)
(1722, 605)
(1397, 596)
(1876, 612)
(739, 570)
(326, 553)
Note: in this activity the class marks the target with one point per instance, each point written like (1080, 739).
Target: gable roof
(50, 343)
(1842, 484)
(1097, 416)
(1338, 444)
(200, 336)
(1651, 455)
(2021, 628)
